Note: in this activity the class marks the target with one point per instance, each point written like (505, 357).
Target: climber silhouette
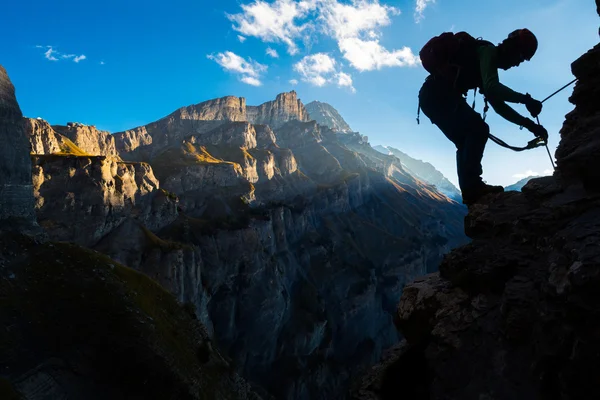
(457, 63)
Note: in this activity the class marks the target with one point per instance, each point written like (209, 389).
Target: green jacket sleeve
(495, 92)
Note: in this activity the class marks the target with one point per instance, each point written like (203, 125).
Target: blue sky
(144, 59)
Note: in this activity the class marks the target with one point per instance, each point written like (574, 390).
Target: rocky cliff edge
(516, 313)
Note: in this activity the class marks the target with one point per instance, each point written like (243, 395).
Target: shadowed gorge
(288, 242)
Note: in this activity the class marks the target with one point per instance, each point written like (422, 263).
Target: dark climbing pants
(449, 110)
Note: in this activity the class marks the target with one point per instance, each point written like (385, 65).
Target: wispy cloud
(249, 70)
(241, 38)
(294, 82)
(420, 9)
(52, 54)
(102, 63)
(531, 173)
(272, 52)
(321, 69)
(49, 54)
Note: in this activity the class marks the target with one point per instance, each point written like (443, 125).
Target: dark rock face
(16, 191)
(515, 314)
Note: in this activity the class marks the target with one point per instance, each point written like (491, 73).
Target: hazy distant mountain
(327, 116)
(424, 171)
(517, 186)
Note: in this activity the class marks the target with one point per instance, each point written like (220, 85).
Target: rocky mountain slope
(289, 242)
(76, 324)
(327, 116)
(424, 171)
(514, 314)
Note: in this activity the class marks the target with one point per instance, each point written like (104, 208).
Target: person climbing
(457, 63)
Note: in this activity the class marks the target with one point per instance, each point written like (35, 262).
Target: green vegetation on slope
(109, 324)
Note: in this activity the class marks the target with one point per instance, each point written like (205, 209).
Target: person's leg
(462, 125)
(475, 137)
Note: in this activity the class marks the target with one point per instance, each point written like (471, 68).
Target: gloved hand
(538, 130)
(533, 106)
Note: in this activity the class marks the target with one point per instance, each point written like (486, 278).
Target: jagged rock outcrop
(43, 139)
(16, 191)
(424, 171)
(286, 107)
(89, 139)
(82, 198)
(515, 314)
(327, 116)
(145, 142)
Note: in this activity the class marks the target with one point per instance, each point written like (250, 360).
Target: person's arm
(492, 88)
(495, 92)
(507, 112)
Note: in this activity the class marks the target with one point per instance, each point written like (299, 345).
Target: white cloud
(250, 70)
(294, 82)
(272, 52)
(352, 20)
(313, 68)
(102, 63)
(55, 55)
(274, 22)
(251, 81)
(320, 69)
(367, 55)
(241, 38)
(548, 172)
(356, 28)
(420, 9)
(345, 80)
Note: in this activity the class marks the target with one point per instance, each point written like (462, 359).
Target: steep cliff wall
(514, 314)
(16, 193)
(286, 107)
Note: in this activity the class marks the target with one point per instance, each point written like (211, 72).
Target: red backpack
(446, 54)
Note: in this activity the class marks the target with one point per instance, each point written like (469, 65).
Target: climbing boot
(472, 196)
